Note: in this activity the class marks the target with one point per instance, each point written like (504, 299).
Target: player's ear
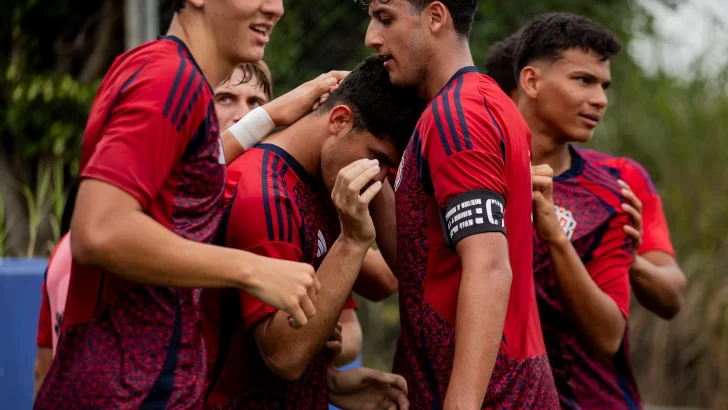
(529, 81)
(437, 16)
(341, 120)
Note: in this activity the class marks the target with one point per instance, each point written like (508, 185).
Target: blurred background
(668, 110)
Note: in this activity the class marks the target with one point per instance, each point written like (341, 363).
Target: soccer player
(152, 172)
(655, 276)
(55, 288)
(467, 301)
(582, 251)
(302, 196)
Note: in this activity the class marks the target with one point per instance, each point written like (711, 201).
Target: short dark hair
(499, 64)
(550, 34)
(178, 5)
(462, 11)
(388, 112)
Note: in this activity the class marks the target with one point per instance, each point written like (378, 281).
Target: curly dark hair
(550, 34)
(499, 64)
(388, 112)
(462, 11)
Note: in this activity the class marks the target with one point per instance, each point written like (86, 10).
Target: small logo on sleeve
(321, 247)
(567, 221)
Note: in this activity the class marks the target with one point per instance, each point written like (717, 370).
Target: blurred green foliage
(674, 127)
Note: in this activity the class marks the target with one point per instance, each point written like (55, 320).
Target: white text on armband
(472, 213)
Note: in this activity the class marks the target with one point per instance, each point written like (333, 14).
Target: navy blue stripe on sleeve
(497, 127)
(190, 104)
(266, 199)
(181, 101)
(277, 196)
(461, 115)
(289, 214)
(448, 116)
(440, 128)
(175, 85)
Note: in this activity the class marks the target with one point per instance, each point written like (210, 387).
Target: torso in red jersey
(153, 133)
(276, 210)
(588, 204)
(471, 138)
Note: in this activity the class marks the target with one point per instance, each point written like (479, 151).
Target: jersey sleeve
(656, 234)
(260, 221)
(152, 119)
(464, 149)
(45, 326)
(610, 262)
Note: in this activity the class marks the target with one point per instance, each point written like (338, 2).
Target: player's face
(234, 100)
(344, 149)
(398, 34)
(572, 94)
(242, 27)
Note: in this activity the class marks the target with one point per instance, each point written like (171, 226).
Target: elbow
(604, 349)
(285, 366)
(87, 243)
(669, 311)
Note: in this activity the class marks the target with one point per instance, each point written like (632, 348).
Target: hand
(325, 97)
(290, 107)
(353, 205)
(367, 389)
(335, 343)
(289, 286)
(544, 213)
(634, 208)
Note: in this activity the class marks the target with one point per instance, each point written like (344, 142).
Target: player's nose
(372, 38)
(273, 8)
(598, 98)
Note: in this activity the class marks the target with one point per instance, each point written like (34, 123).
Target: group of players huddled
(207, 269)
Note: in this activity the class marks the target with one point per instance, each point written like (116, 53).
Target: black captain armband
(471, 213)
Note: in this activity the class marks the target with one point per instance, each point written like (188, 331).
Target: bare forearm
(230, 147)
(137, 248)
(481, 313)
(598, 318)
(288, 351)
(351, 343)
(385, 221)
(658, 288)
(43, 360)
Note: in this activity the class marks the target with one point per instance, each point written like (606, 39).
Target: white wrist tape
(252, 128)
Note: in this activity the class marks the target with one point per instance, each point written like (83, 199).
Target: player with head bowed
(148, 205)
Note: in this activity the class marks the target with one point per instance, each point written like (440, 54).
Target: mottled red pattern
(582, 382)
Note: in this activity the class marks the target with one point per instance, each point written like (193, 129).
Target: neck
(546, 147)
(444, 67)
(191, 29)
(304, 141)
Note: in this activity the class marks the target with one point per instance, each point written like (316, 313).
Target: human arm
(282, 111)
(351, 339)
(599, 320)
(376, 281)
(484, 292)
(288, 352)
(655, 275)
(385, 221)
(43, 360)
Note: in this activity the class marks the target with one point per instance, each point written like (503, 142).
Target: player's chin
(581, 135)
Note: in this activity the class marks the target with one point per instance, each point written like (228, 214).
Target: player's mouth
(387, 60)
(262, 32)
(592, 120)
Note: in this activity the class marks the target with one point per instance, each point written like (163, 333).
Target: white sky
(698, 29)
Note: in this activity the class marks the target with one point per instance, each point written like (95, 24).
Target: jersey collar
(577, 165)
(460, 72)
(292, 162)
(186, 49)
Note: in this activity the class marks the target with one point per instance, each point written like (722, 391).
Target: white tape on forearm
(252, 128)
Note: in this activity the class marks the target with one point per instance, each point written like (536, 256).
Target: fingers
(540, 183)
(542, 170)
(316, 284)
(363, 179)
(297, 318)
(338, 75)
(630, 196)
(344, 173)
(635, 214)
(399, 397)
(334, 345)
(635, 234)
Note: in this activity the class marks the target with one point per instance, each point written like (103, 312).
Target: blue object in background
(353, 365)
(20, 297)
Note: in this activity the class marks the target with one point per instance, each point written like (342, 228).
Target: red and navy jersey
(153, 133)
(588, 204)
(656, 234)
(466, 171)
(276, 210)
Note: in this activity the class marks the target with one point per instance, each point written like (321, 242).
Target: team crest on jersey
(321, 247)
(566, 220)
(398, 178)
